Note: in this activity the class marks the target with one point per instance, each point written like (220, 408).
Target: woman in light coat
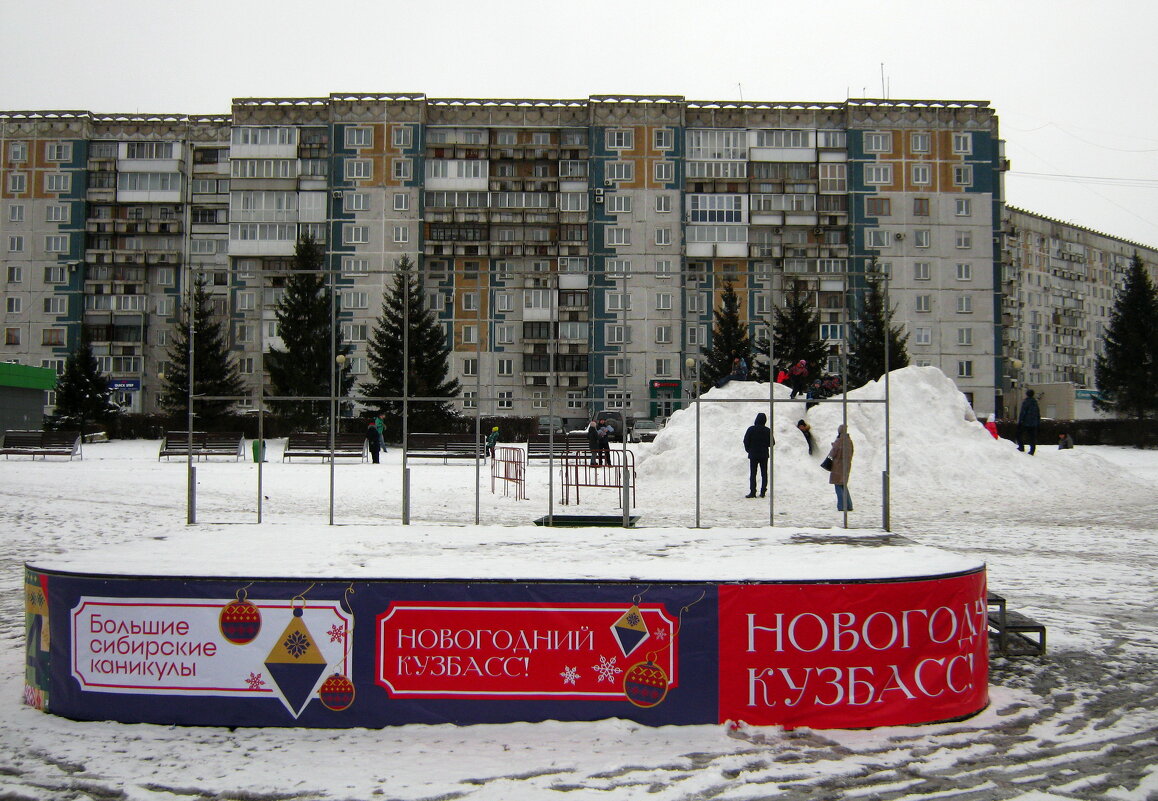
(841, 455)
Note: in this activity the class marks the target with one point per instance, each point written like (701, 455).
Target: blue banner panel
(339, 653)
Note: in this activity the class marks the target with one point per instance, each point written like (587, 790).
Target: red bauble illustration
(645, 684)
(240, 622)
(337, 692)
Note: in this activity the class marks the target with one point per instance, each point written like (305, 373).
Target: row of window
(919, 174)
(58, 213)
(53, 243)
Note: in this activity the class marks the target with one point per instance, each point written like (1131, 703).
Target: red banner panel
(565, 651)
(853, 655)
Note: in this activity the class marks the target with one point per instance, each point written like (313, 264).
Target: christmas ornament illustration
(630, 630)
(240, 621)
(337, 692)
(295, 663)
(645, 684)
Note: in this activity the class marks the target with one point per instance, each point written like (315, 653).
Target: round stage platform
(387, 625)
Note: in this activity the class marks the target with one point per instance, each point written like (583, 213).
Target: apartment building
(574, 250)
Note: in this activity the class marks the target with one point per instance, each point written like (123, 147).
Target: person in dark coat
(593, 442)
(806, 430)
(841, 455)
(798, 377)
(1064, 442)
(1028, 419)
(373, 441)
(757, 441)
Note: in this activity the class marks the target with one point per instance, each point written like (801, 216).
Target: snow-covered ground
(1068, 537)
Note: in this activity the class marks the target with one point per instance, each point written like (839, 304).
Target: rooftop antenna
(740, 86)
(884, 93)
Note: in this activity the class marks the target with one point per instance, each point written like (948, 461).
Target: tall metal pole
(405, 392)
(692, 365)
(886, 521)
(333, 379)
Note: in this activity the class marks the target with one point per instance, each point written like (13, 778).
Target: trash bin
(259, 450)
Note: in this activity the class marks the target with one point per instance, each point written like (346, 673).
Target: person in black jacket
(757, 441)
(1028, 421)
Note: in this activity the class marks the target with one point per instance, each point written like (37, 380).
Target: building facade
(574, 250)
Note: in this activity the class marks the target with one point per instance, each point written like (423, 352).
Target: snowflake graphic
(297, 644)
(607, 669)
(337, 633)
(570, 675)
(661, 634)
(255, 681)
(633, 618)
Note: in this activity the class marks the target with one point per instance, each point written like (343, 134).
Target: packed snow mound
(937, 446)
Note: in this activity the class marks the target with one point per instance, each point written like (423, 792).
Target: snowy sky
(1062, 74)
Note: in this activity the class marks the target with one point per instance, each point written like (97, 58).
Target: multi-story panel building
(574, 250)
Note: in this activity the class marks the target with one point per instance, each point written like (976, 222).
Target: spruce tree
(795, 336)
(429, 358)
(82, 392)
(215, 373)
(306, 324)
(729, 340)
(866, 340)
(1126, 372)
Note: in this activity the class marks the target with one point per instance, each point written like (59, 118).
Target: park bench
(41, 443)
(315, 444)
(539, 447)
(204, 443)
(443, 446)
(1016, 634)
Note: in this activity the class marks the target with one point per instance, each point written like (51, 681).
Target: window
(923, 303)
(401, 169)
(965, 337)
(573, 201)
(922, 271)
(620, 171)
(359, 137)
(878, 142)
(15, 274)
(663, 268)
(833, 177)
(618, 203)
(877, 238)
(964, 271)
(470, 366)
(352, 265)
(57, 182)
(16, 212)
(18, 151)
(618, 236)
(506, 366)
(55, 275)
(401, 201)
(56, 243)
(664, 171)
(11, 336)
(402, 136)
(963, 175)
(663, 204)
(618, 366)
(359, 168)
(15, 244)
(716, 208)
(401, 233)
(355, 234)
(352, 299)
(964, 240)
(504, 302)
(505, 334)
(469, 301)
(56, 213)
(964, 304)
(696, 335)
(618, 334)
(923, 336)
(469, 399)
(469, 334)
(831, 331)
(56, 365)
(919, 142)
(149, 150)
(964, 207)
(878, 174)
(922, 238)
(618, 301)
(663, 334)
(618, 268)
(663, 366)
(922, 174)
(536, 298)
(620, 138)
(17, 182)
(965, 368)
(506, 400)
(878, 206)
(55, 305)
(662, 236)
(920, 207)
(662, 138)
(963, 143)
(14, 305)
(663, 301)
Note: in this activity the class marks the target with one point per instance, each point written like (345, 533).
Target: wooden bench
(204, 444)
(539, 447)
(1016, 634)
(315, 444)
(41, 443)
(443, 446)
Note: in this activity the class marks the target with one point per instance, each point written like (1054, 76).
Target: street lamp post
(879, 275)
(691, 366)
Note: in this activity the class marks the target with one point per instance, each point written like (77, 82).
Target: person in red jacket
(991, 426)
(798, 377)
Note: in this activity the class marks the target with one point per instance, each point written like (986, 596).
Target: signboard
(125, 384)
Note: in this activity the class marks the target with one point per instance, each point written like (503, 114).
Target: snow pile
(938, 449)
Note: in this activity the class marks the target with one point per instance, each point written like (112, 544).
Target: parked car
(644, 430)
(549, 423)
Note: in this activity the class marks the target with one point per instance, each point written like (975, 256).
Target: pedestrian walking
(492, 440)
(380, 427)
(1028, 420)
(757, 441)
(373, 441)
(841, 456)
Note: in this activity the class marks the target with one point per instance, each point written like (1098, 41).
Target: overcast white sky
(1072, 81)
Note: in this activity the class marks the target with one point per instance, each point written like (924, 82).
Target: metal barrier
(509, 465)
(579, 471)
